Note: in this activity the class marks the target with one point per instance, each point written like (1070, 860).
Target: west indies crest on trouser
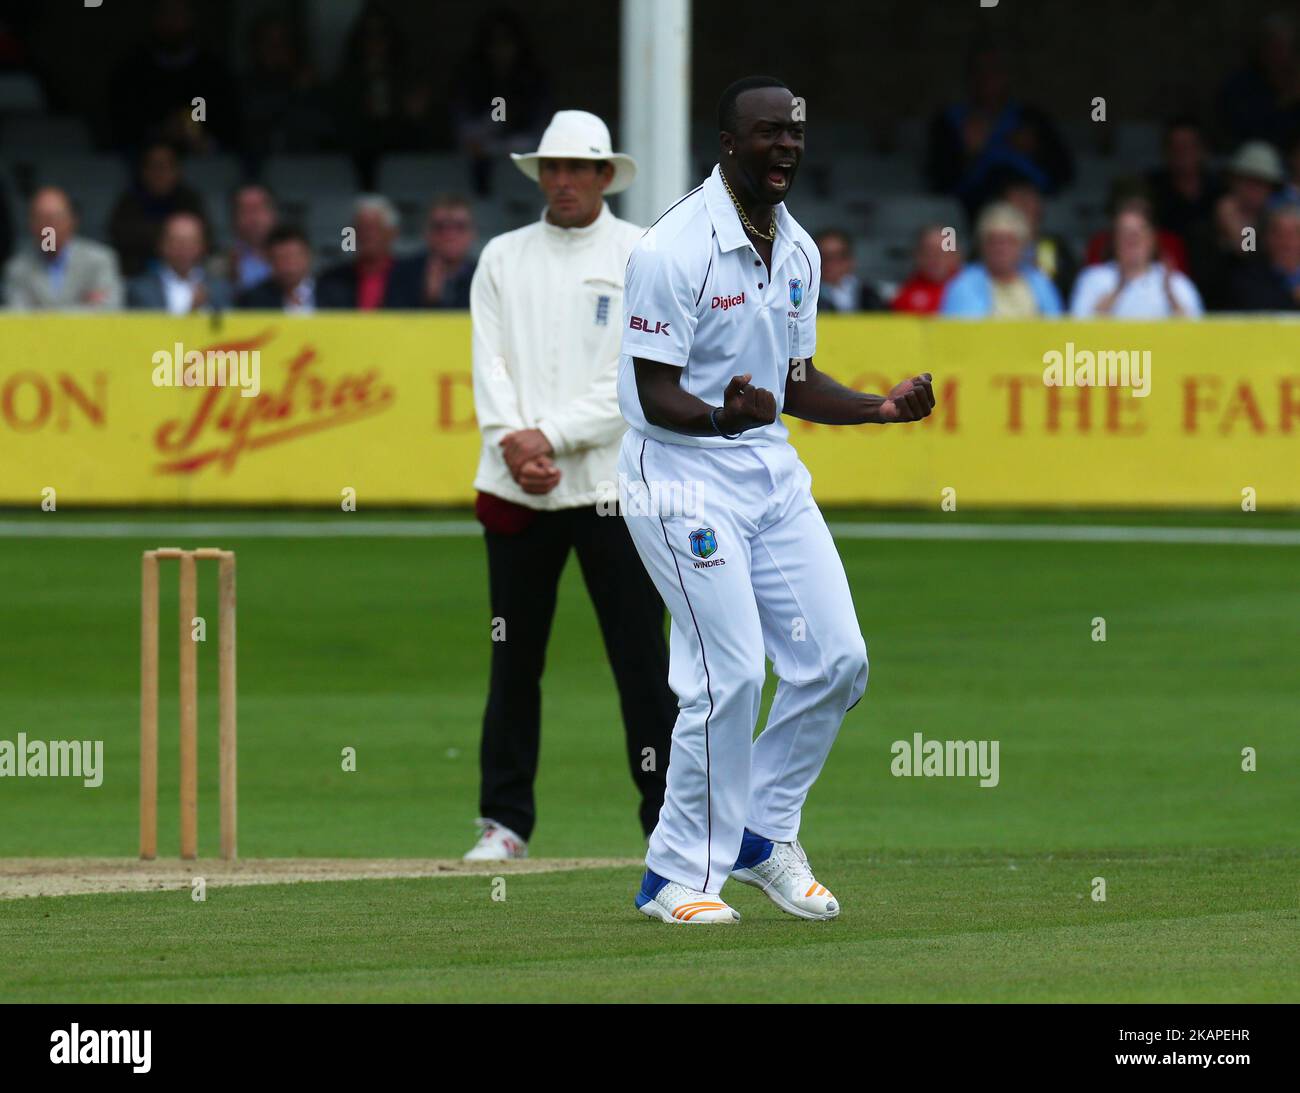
(703, 542)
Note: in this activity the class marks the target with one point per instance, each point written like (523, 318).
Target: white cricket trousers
(750, 574)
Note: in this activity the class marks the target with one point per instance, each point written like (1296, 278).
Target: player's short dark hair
(727, 115)
(287, 233)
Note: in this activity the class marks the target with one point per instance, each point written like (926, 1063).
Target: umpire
(547, 304)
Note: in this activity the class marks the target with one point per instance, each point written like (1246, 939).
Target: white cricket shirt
(698, 296)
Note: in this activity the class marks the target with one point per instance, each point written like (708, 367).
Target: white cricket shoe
(788, 880)
(496, 842)
(669, 901)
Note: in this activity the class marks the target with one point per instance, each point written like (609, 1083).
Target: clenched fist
(910, 400)
(745, 407)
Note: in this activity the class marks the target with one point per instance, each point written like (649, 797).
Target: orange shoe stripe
(691, 910)
(699, 910)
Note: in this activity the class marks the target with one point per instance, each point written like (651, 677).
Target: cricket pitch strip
(24, 877)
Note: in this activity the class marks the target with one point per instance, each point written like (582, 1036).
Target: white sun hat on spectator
(1258, 159)
(576, 134)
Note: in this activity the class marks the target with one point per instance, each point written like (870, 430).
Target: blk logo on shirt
(638, 323)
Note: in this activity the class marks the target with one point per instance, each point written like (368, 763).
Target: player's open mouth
(778, 176)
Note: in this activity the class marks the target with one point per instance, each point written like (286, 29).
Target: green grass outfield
(1119, 760)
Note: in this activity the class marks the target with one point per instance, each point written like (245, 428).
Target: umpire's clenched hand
(539, 475)
(522, 446)
(910, 400)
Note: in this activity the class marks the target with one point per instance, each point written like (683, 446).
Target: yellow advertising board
(382, 403)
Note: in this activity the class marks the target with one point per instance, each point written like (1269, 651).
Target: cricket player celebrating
(719, 331)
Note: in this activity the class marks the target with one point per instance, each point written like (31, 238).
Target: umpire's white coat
(545, 304)
(730, 534)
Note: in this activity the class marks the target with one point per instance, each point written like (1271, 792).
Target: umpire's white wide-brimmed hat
(575, 134)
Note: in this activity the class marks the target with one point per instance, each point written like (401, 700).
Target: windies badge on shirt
(796, 292)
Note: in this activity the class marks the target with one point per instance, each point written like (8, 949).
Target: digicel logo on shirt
(638, 323)
(725, 302)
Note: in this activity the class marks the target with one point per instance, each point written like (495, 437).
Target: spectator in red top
(933, 267)
(1126, 195)
(365, 282)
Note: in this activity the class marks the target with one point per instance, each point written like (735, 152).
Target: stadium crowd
(1213, 226)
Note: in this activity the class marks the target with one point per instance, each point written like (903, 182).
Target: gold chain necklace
(769, 235)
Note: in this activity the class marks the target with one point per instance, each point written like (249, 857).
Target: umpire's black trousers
(524, 573)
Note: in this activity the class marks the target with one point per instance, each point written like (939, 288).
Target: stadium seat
(899, 218)
(490, 220)
(881, 261)
(866, 175)
(94, 182)
(512, 185)
(14, 204)
(20, 93)
(1137, 144)
(1060, 218)
(31, 137)
(910, 138)
(1093, 176)
(417, 178)
(214, 176)
(325, 218)
(79, 172)
(1083, 136)
(299, 178)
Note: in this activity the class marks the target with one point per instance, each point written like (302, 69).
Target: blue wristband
(713, 420)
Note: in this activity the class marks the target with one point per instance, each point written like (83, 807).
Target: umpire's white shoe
(496, 842)
(782, 871)
(669, 901)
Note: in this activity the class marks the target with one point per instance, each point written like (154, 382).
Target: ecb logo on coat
(796, 292)
(704, 543)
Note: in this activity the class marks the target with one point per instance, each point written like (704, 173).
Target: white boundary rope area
(351, 527)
